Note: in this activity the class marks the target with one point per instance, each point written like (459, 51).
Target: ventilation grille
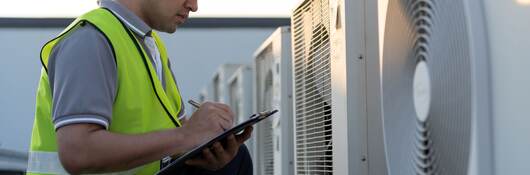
(264, 66)
(235, 98)
(432, 32)
(312, 86)
(268, 152)
(216, 88)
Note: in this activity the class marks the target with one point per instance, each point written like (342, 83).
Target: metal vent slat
(312, 86)
(265, 133)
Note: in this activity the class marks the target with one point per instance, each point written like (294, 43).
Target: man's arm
(89, 148)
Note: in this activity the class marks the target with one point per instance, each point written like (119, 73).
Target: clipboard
(179, 162)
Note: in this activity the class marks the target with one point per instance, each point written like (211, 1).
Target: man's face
(166, 15)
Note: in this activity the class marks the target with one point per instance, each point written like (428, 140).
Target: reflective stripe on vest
(48, 163)
(45, 163)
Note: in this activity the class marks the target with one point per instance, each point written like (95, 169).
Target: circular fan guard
(433, 32)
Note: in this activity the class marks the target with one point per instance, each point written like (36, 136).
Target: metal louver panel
(273, 66)
(235, 98)
(264, 102)
(216, 88)
(312, 88)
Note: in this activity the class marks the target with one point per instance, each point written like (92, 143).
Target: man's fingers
(223, 125)
(197, 162)
(208, 156)
(241, 138)
(232, 145)
(221, 114)
(225, 108)
(220, 152)
(227, 117)
(207, 161)
(228, 113)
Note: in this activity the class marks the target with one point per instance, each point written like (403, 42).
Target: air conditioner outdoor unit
(273, 80)
(455, 83)
(338, 128)
(240, 89)
(220, 82)
(203, 95)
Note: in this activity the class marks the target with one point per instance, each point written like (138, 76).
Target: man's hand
(208, 121)
(217, 156)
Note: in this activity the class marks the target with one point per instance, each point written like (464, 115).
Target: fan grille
(433, 32)
(312, 86)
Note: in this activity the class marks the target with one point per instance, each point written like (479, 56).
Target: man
(107, 100)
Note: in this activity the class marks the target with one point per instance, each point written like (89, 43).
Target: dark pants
(240, 165)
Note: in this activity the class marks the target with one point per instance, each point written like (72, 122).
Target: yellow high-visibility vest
(141, 104)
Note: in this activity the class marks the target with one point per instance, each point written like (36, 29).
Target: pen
(194, 104)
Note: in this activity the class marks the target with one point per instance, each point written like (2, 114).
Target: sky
(207, 8)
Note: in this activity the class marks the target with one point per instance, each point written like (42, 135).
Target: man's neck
(135, 7)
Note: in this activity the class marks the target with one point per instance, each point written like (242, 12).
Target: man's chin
(169, 29)
(172, 30)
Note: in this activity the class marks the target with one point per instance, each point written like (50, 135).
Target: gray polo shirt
(82, 71)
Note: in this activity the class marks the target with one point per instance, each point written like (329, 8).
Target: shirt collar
(131, 20)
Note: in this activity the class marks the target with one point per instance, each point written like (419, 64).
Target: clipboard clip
(264, 114)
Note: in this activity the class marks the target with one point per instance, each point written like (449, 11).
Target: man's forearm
(91, 150)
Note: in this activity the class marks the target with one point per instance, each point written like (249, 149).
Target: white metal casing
(356, 127)
(274, 91)
(507, 35)
(219, 83)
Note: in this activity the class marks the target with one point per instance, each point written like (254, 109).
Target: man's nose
(192, 5)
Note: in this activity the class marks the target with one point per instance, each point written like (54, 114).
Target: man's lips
(182, 17)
